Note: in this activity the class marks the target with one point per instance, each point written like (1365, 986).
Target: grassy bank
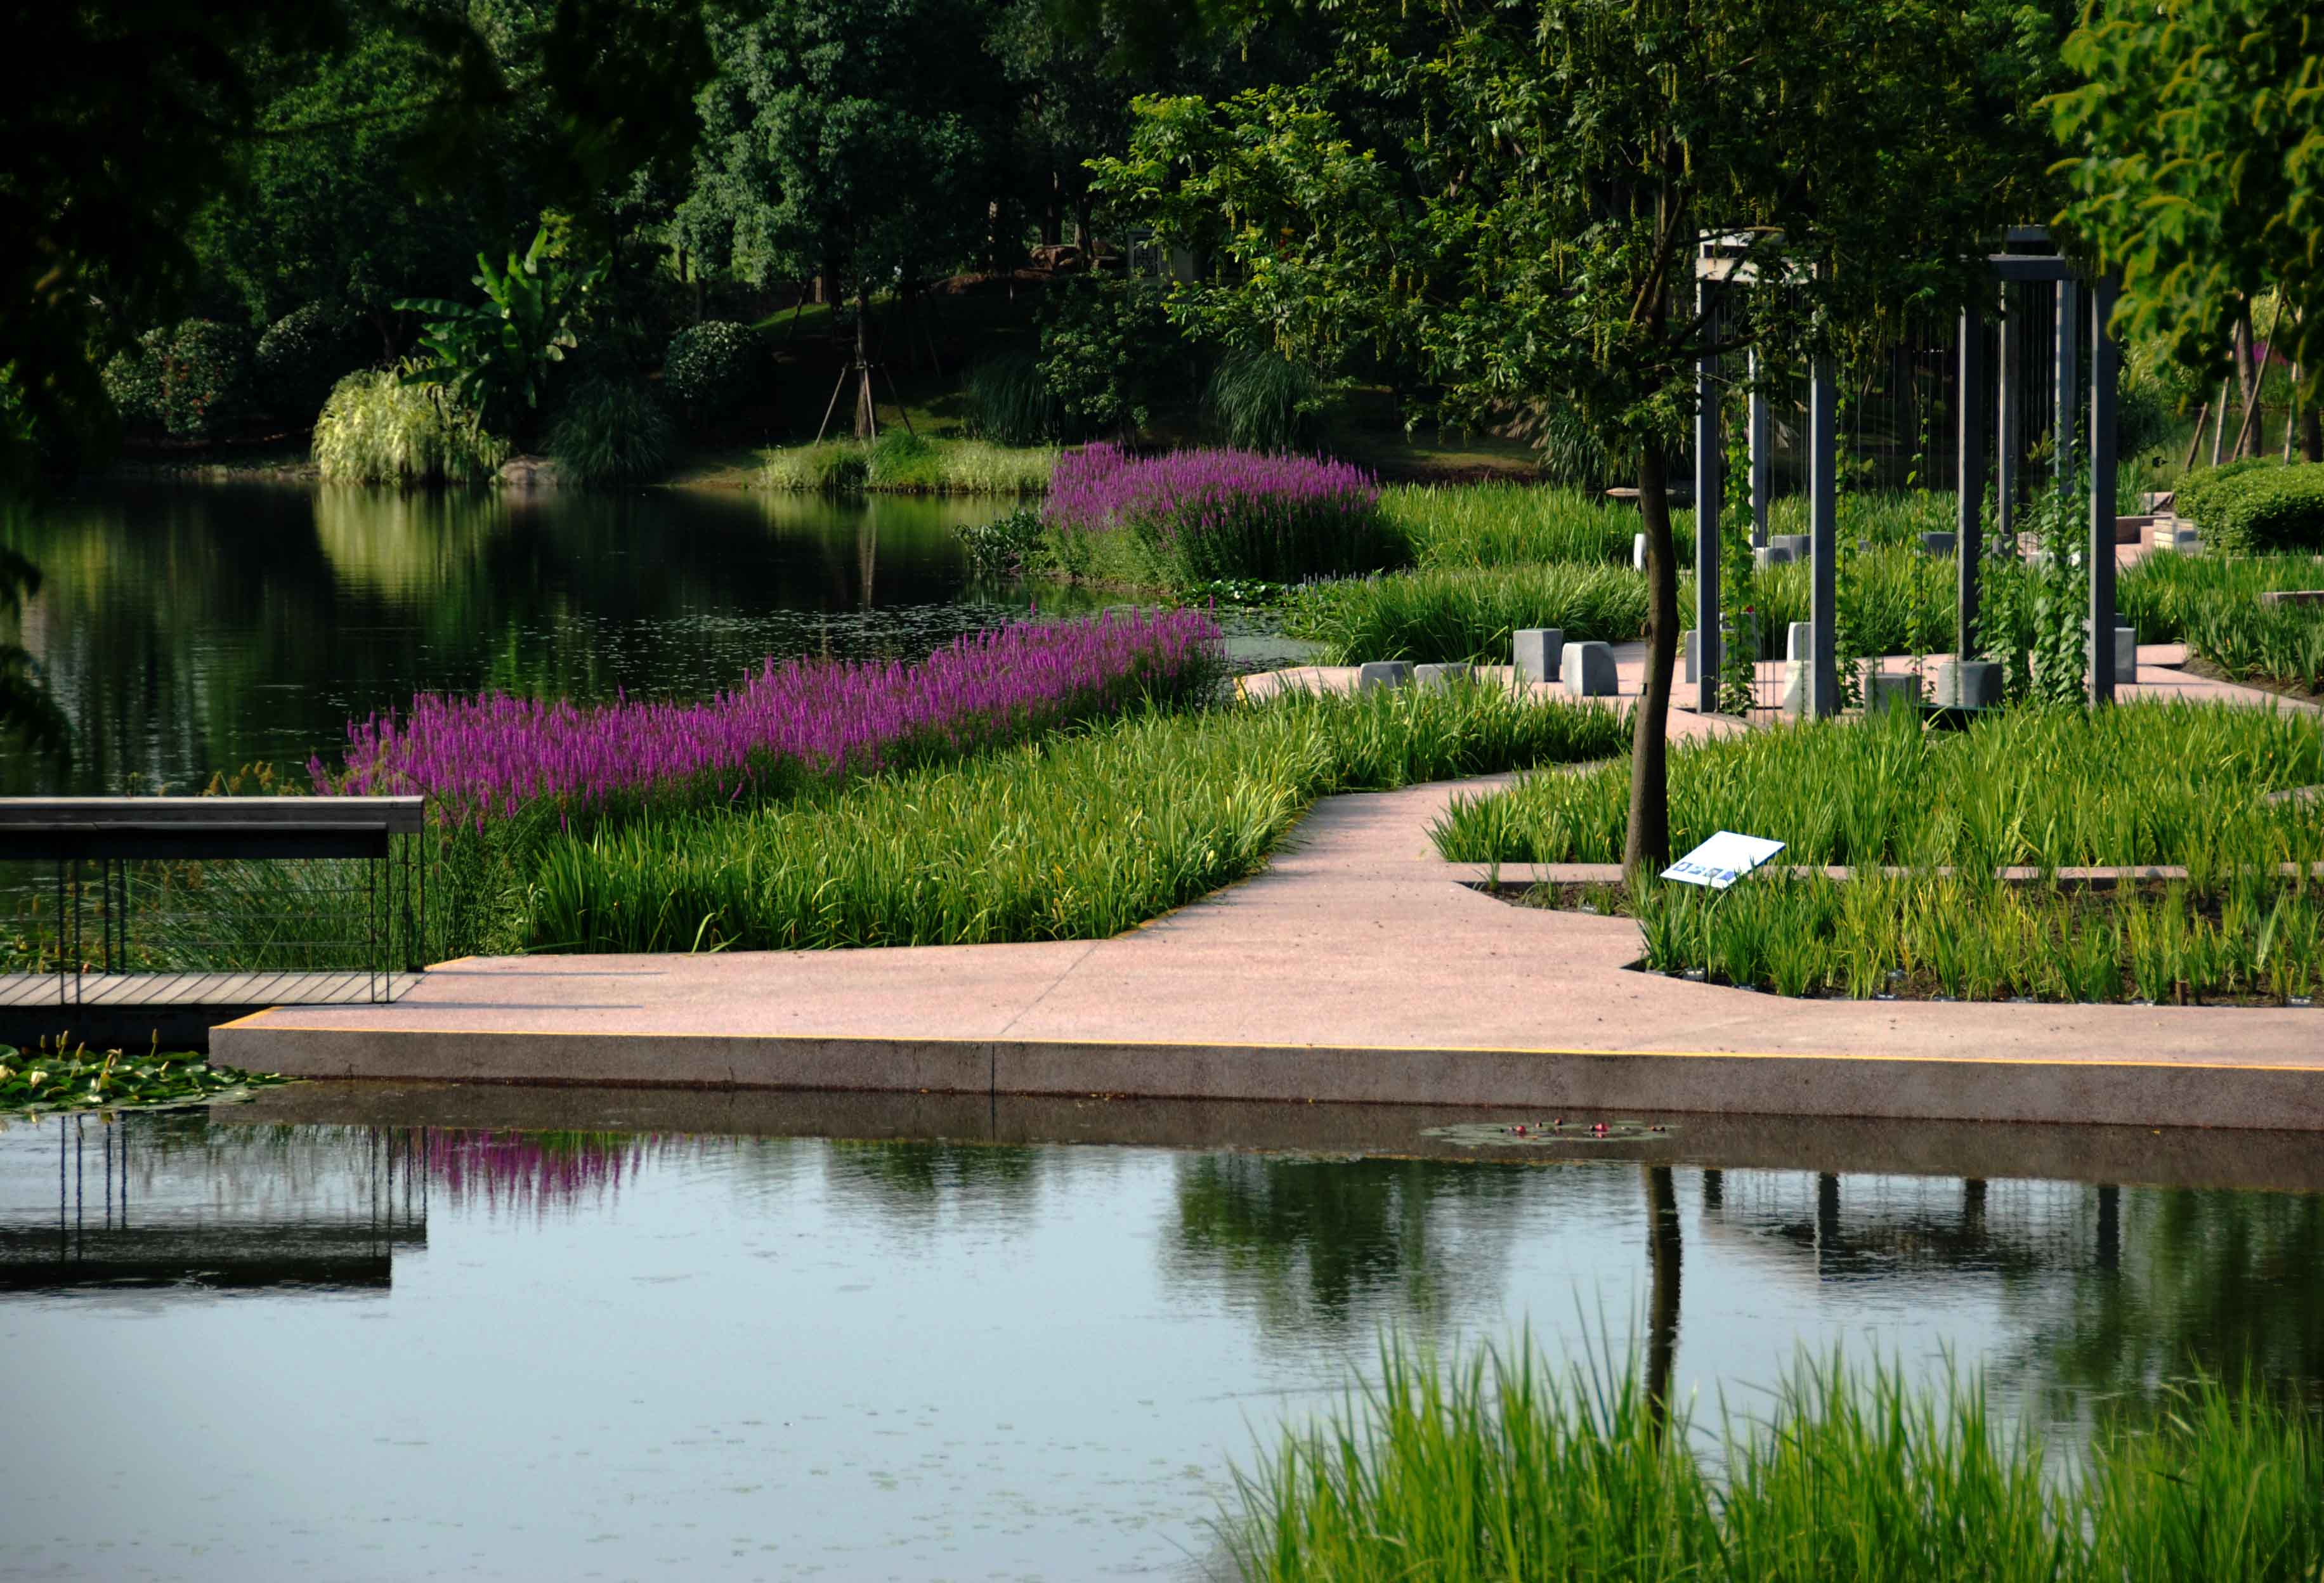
(1504, 1469)
(1077, 837)
(905, 464)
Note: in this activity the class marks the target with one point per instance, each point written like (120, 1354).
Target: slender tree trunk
(1646, 846)
(2195, 440)
(2220, 422)
(2312, 434)
(2247, 379)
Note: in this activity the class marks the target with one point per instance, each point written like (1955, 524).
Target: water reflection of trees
(190, 630)
(1339, 1244)
(913, 1184)
(2229, 1282)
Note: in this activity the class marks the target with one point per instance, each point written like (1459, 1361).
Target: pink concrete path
(1358, 967)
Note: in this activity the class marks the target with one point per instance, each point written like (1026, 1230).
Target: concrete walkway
(1359, 967)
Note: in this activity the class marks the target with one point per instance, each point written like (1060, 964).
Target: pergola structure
(2082, 306)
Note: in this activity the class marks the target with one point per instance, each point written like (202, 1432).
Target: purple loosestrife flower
(1225, 513)
(493, 756)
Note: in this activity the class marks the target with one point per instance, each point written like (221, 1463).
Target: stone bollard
(1383, 673)
(1771, 555)
(1638, 552)
(1937, 544)
(2126, 654)
(1535, 652)
(1969, 684)
(1799, 544)
(1691, 648)
(1889, 689)
(1588, 671)
(1799, 652)
(1442, 676)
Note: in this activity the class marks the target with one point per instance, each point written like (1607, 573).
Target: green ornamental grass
(1503, 1469)
(1076, 836)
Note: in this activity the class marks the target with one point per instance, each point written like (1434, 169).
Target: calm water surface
(199, 628)
(248, 1351)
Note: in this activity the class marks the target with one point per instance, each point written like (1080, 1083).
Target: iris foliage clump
(1501, 1467)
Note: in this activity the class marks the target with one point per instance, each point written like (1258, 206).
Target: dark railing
(208, 906)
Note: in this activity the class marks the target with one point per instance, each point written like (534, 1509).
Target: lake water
(192, 628)
(700, 1336)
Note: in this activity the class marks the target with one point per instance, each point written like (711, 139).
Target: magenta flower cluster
(493, 756)
(1225, 513)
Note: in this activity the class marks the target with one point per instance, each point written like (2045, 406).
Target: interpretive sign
(1722, 859)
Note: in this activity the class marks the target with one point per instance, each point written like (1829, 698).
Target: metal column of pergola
(2082, 307)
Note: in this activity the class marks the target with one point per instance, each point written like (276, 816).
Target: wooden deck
(190, 992)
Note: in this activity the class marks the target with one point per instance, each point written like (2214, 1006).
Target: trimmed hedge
(2256, 508)
(205, 377)
(713, 367)
(301, 355)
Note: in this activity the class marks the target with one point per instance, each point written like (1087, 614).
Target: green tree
(2199, 171)
(1512, 200)
(849, 138)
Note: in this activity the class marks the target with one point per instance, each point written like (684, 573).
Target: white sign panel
(1722, 859)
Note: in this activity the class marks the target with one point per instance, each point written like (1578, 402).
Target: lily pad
(49, 1081)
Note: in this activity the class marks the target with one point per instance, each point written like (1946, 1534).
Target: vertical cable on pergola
(2082, 307)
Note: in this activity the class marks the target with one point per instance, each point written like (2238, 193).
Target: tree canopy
(1513, 200)
(2199, 170)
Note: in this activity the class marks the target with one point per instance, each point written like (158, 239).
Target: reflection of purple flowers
(535, 1171)
(1223, 513)
(494, 755)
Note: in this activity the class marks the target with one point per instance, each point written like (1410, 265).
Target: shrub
(1008, 399)
(377, 430)
(1011, 546)
(132, 378)
(299, 358)
(2197, 490)
(611, 432)
(1448, 614)
(2267, 509)
(1260, 401)
(2142, 415)
(1205, 514)
(1104, 349)
(713, 367)
(833, 467)
(205, 376)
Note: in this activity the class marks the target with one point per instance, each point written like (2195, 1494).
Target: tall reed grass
(1071, 837)
(1502, 1469)
(2144, 782)
(1502, 524)
(2274, 643)
(1453, 613)
(2159, 594)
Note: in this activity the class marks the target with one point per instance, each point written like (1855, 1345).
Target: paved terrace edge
(2121, 1093)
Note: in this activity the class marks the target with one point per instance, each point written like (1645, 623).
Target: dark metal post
(1762, 458)
(2011, 381)
(1968, 545)
(2069, 350)
(2106, 367)
(1707, 645)
(1823, 542)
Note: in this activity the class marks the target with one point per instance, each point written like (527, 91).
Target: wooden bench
(119, 1003)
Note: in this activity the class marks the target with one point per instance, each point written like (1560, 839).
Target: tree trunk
(1052, 213)
(1646, 846)
(386, 328)
(2312, 435)
(2247, 379)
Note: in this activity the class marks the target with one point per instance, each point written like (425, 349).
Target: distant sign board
(1722, 859)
